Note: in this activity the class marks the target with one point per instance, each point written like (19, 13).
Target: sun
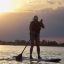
(5, 6)
(10, 5)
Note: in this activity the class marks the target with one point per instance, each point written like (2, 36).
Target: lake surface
(7, 52)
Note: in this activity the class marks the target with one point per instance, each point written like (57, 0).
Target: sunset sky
(16, 15)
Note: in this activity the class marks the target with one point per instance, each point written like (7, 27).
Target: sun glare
(5, 6)
(10, 5)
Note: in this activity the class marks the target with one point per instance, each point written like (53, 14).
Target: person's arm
(41, 23)
(30, 27)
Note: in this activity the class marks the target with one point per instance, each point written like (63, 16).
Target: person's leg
(38, 50)
(31, 49)
(38, 46)
(32, 44)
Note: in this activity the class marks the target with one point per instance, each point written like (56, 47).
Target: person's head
(35, 18)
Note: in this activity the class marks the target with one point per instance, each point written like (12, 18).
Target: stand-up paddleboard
(52, 59)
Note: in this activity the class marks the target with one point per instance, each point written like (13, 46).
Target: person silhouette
(35, 27)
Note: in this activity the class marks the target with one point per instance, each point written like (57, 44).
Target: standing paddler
(35, 28)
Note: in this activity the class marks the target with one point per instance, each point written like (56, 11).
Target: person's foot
(31, 57)
(39, 57)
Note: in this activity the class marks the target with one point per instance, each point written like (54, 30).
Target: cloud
(54, 23)
(32, 5)
(56, 2)
(50, 1)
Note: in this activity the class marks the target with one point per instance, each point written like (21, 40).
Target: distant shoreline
(24, 43)
(34, 45)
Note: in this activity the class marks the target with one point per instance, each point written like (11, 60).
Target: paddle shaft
(24, 49)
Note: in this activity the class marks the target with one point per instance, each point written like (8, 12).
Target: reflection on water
(10, 51)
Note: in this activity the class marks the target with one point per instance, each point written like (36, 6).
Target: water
(10, 51)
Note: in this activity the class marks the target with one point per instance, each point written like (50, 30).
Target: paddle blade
(19, 57)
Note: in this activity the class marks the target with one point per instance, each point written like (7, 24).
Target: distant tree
(44, 42)
(53, 43)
